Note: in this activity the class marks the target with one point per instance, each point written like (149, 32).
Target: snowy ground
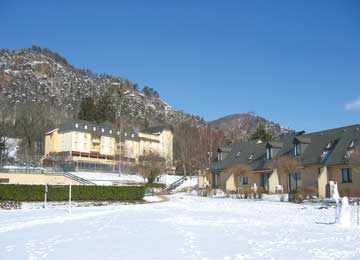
(185, 227)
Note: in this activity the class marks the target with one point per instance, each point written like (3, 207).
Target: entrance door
(295, 181)
(217, 180)
(264, 181)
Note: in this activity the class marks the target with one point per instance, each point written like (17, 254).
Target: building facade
(319, 157)
(102, 147)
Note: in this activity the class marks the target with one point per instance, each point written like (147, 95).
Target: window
(269, 153)
(85, 127)
(245, 180)
(351, 144)
(297, 149)
(76, 125)
(346, 175)
(327, 151)
(220, 157)
(325, 155)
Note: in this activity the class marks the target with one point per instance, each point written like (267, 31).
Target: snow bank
(275, 197)
(105, 178)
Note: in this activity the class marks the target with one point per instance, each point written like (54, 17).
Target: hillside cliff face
(240, 127)
(41, 76)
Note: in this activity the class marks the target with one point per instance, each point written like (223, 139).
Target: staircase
(77, 178)
(175, 184)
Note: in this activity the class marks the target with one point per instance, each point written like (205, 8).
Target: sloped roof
(104, 129)
(155, 129)
(302, 139)
(311, 155)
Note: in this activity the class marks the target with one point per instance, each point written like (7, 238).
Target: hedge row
(155, 185)
(78, 193)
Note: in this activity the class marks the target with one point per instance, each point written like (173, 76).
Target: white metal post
(70, 197)
(358, 205)
(45, 199)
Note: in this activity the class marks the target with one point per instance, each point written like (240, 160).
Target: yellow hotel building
(85, 146)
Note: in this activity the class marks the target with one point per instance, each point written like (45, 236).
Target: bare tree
(238, 171)
(31, 123)
(151, 166)
(286, 165)
(185, 138)
(193, 144)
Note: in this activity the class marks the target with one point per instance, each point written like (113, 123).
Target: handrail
(175, 184)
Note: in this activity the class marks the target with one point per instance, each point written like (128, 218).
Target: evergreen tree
(88, 110)
(261, 134)
(104, 109)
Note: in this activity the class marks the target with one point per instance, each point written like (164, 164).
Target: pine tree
(261, 134)
(104, 109)
(88, 110)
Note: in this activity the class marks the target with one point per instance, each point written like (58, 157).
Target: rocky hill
(40, 76)
(40, 89)
(239, 127)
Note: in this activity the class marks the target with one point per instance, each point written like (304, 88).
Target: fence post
(70, 197)
(45, 199)
(358, 205)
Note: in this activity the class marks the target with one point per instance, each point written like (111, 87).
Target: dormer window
(102, 130)
(329, 145)
(118, 132)
(297, 149)
(76, 125)
(351, 144)
(220, 156)
(85, 127)
(269, 153)
(350, 150)
(251, 157)
(132, 135)
(110, 131)
(326, 153)
(237, 154)
(94, 128)
(125, 134)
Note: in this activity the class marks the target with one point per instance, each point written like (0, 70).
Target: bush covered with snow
(15, 192)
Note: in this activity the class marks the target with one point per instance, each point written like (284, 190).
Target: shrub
(155, 185)
(350, 192)
(13, 192)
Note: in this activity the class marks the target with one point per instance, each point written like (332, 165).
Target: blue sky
(292, 62)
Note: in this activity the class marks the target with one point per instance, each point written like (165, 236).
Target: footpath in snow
(185, 227)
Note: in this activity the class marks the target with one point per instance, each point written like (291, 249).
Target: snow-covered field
(185, 227)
